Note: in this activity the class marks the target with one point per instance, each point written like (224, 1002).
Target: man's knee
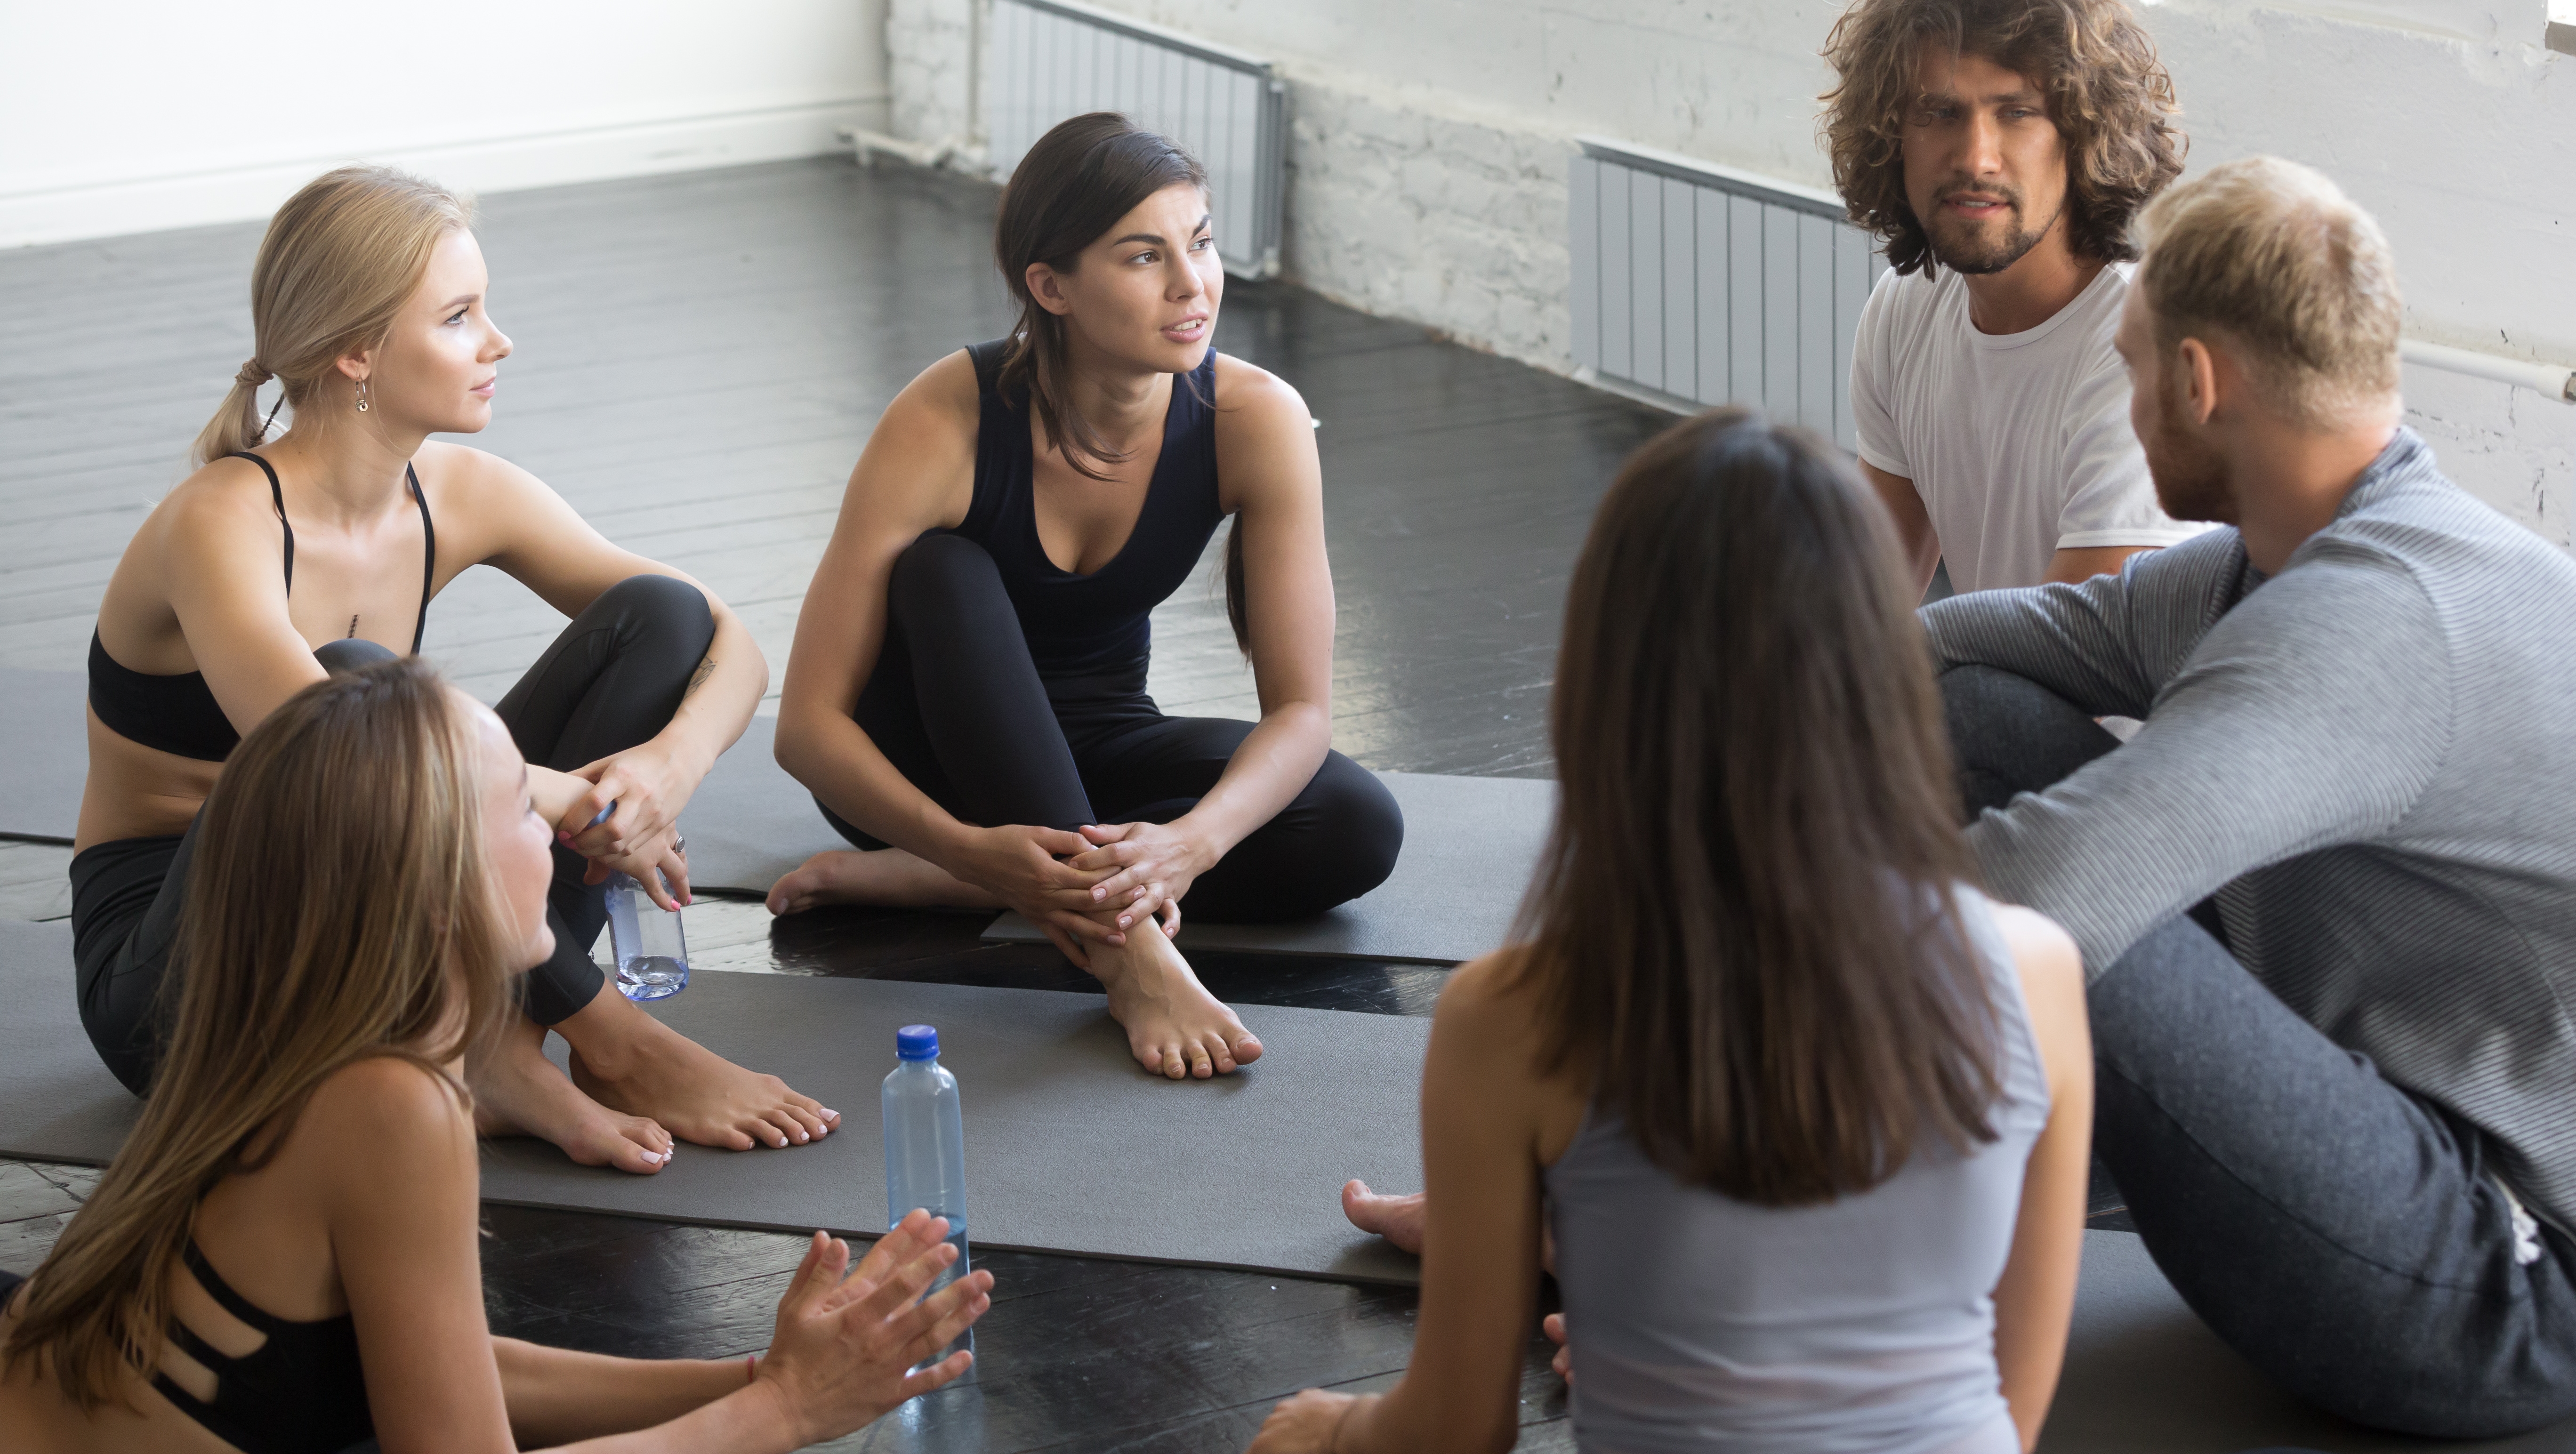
(2011, 735)
(350, 653)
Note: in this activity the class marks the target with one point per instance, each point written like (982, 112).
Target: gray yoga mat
(1070, 1146)
(1071, 1150)
(44, 752)
(1470, 844)
(749, 823)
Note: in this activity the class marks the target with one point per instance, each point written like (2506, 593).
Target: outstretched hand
(1304, 1424)
(845, 1347)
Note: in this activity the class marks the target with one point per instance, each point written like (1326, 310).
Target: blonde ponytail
(334, 270)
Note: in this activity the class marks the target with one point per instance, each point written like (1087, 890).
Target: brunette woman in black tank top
(281, 560)
(966, 695)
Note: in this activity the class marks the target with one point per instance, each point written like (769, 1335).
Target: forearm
(1269, 769)
(556, 1394)
(720, 697)
(749, 1420)
(2070, 639)
(836, 760)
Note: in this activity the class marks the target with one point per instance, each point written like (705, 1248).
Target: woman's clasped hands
(1087, 887)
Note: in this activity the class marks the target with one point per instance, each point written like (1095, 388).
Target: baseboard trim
(505, 164)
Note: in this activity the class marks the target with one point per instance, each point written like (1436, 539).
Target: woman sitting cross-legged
(966, 695)
(1810, 1113)
(284, 1256)
(282, 560)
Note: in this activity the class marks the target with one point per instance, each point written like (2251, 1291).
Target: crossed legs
(2341, 1233)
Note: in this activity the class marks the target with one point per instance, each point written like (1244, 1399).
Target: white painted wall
(168, 113)
(1431, 140)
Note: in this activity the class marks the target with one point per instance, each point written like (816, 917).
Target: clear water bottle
(925, 1151)
(645, 939)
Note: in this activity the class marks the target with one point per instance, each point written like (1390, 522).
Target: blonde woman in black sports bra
(282, 560)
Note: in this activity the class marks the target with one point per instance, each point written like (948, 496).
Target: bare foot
(629, 1061)
(1174, 1026)
(518, 1092)
(886, 876)
(1396, 1218)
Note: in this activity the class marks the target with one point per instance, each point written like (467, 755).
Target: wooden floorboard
(700, 358)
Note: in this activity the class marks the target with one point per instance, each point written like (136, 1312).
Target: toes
(1200, 1065)
(1247, 1046)
(1173, 1066)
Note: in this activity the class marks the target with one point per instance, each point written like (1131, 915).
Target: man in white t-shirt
(2000, 147)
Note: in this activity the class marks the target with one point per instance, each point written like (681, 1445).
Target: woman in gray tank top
(1809, 1112)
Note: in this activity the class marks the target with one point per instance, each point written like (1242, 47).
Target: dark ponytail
(1069, 190)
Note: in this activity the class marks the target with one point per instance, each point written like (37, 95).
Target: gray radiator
(1051, 59)
(1711, 286)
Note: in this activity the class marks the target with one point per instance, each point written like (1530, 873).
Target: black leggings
(959, 708)
(611, 680)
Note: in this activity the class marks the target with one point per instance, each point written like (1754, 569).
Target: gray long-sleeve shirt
(2369, 758)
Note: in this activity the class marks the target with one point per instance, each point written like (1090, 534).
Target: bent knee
(1358, 829)
(939, 567)
(351, 653)
(662, 600)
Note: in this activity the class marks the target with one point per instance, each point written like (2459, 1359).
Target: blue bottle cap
(917, 1042)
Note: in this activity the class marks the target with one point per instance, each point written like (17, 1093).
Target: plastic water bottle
(646, 940)
(925, 1151)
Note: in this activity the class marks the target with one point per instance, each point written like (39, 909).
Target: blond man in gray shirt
(2339, 1094)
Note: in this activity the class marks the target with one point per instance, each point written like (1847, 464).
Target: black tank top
(304, 1391)
(1095, 625)
(179, 714)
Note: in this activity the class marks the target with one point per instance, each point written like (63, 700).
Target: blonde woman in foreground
(283, 558)
(1809, 1111)
(284, 1255)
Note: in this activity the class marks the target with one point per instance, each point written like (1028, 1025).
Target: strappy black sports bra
(179, 714)
(303, 1391)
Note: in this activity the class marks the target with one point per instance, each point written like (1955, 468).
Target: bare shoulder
(1253, 395)
(2052, 984)
(224, 495)
(466, 474)
(381, 1116)
(1489, 1006)
(942, 399)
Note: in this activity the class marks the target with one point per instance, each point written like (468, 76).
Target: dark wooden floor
(700, 358)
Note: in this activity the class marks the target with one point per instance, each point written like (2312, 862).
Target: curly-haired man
(1999, 148)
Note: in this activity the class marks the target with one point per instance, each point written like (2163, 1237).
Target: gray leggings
(2338, 1231)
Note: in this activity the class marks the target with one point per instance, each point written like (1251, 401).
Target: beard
(1962, 250)
(2190, 474)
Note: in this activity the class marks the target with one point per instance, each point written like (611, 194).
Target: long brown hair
(1066, 193)
(338, 889)
(2108, 95)
(334, 268)
(1744, 920)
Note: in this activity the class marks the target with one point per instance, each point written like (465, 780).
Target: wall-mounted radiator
(1051, 59)
(1712, 286)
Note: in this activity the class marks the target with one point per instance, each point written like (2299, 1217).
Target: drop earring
(362, 396)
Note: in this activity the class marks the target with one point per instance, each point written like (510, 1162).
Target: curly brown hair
(2107, 93)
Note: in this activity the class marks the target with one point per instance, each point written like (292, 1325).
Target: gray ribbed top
(1865, 1324)
(2371, 760)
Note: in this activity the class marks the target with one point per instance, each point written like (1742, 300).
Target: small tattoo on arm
(698, 678)
(353, 627)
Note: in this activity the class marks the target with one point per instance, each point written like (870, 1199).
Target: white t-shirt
(2019, 443)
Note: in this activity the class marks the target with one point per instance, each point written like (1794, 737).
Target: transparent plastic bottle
(646, 941)
(925, 1150)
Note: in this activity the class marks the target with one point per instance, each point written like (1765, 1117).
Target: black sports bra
(304, 1391)
(179, 714)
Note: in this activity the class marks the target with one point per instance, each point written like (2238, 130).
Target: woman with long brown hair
(966, 695)
(1808, 1112)
(287, 555)
(284, 1255)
